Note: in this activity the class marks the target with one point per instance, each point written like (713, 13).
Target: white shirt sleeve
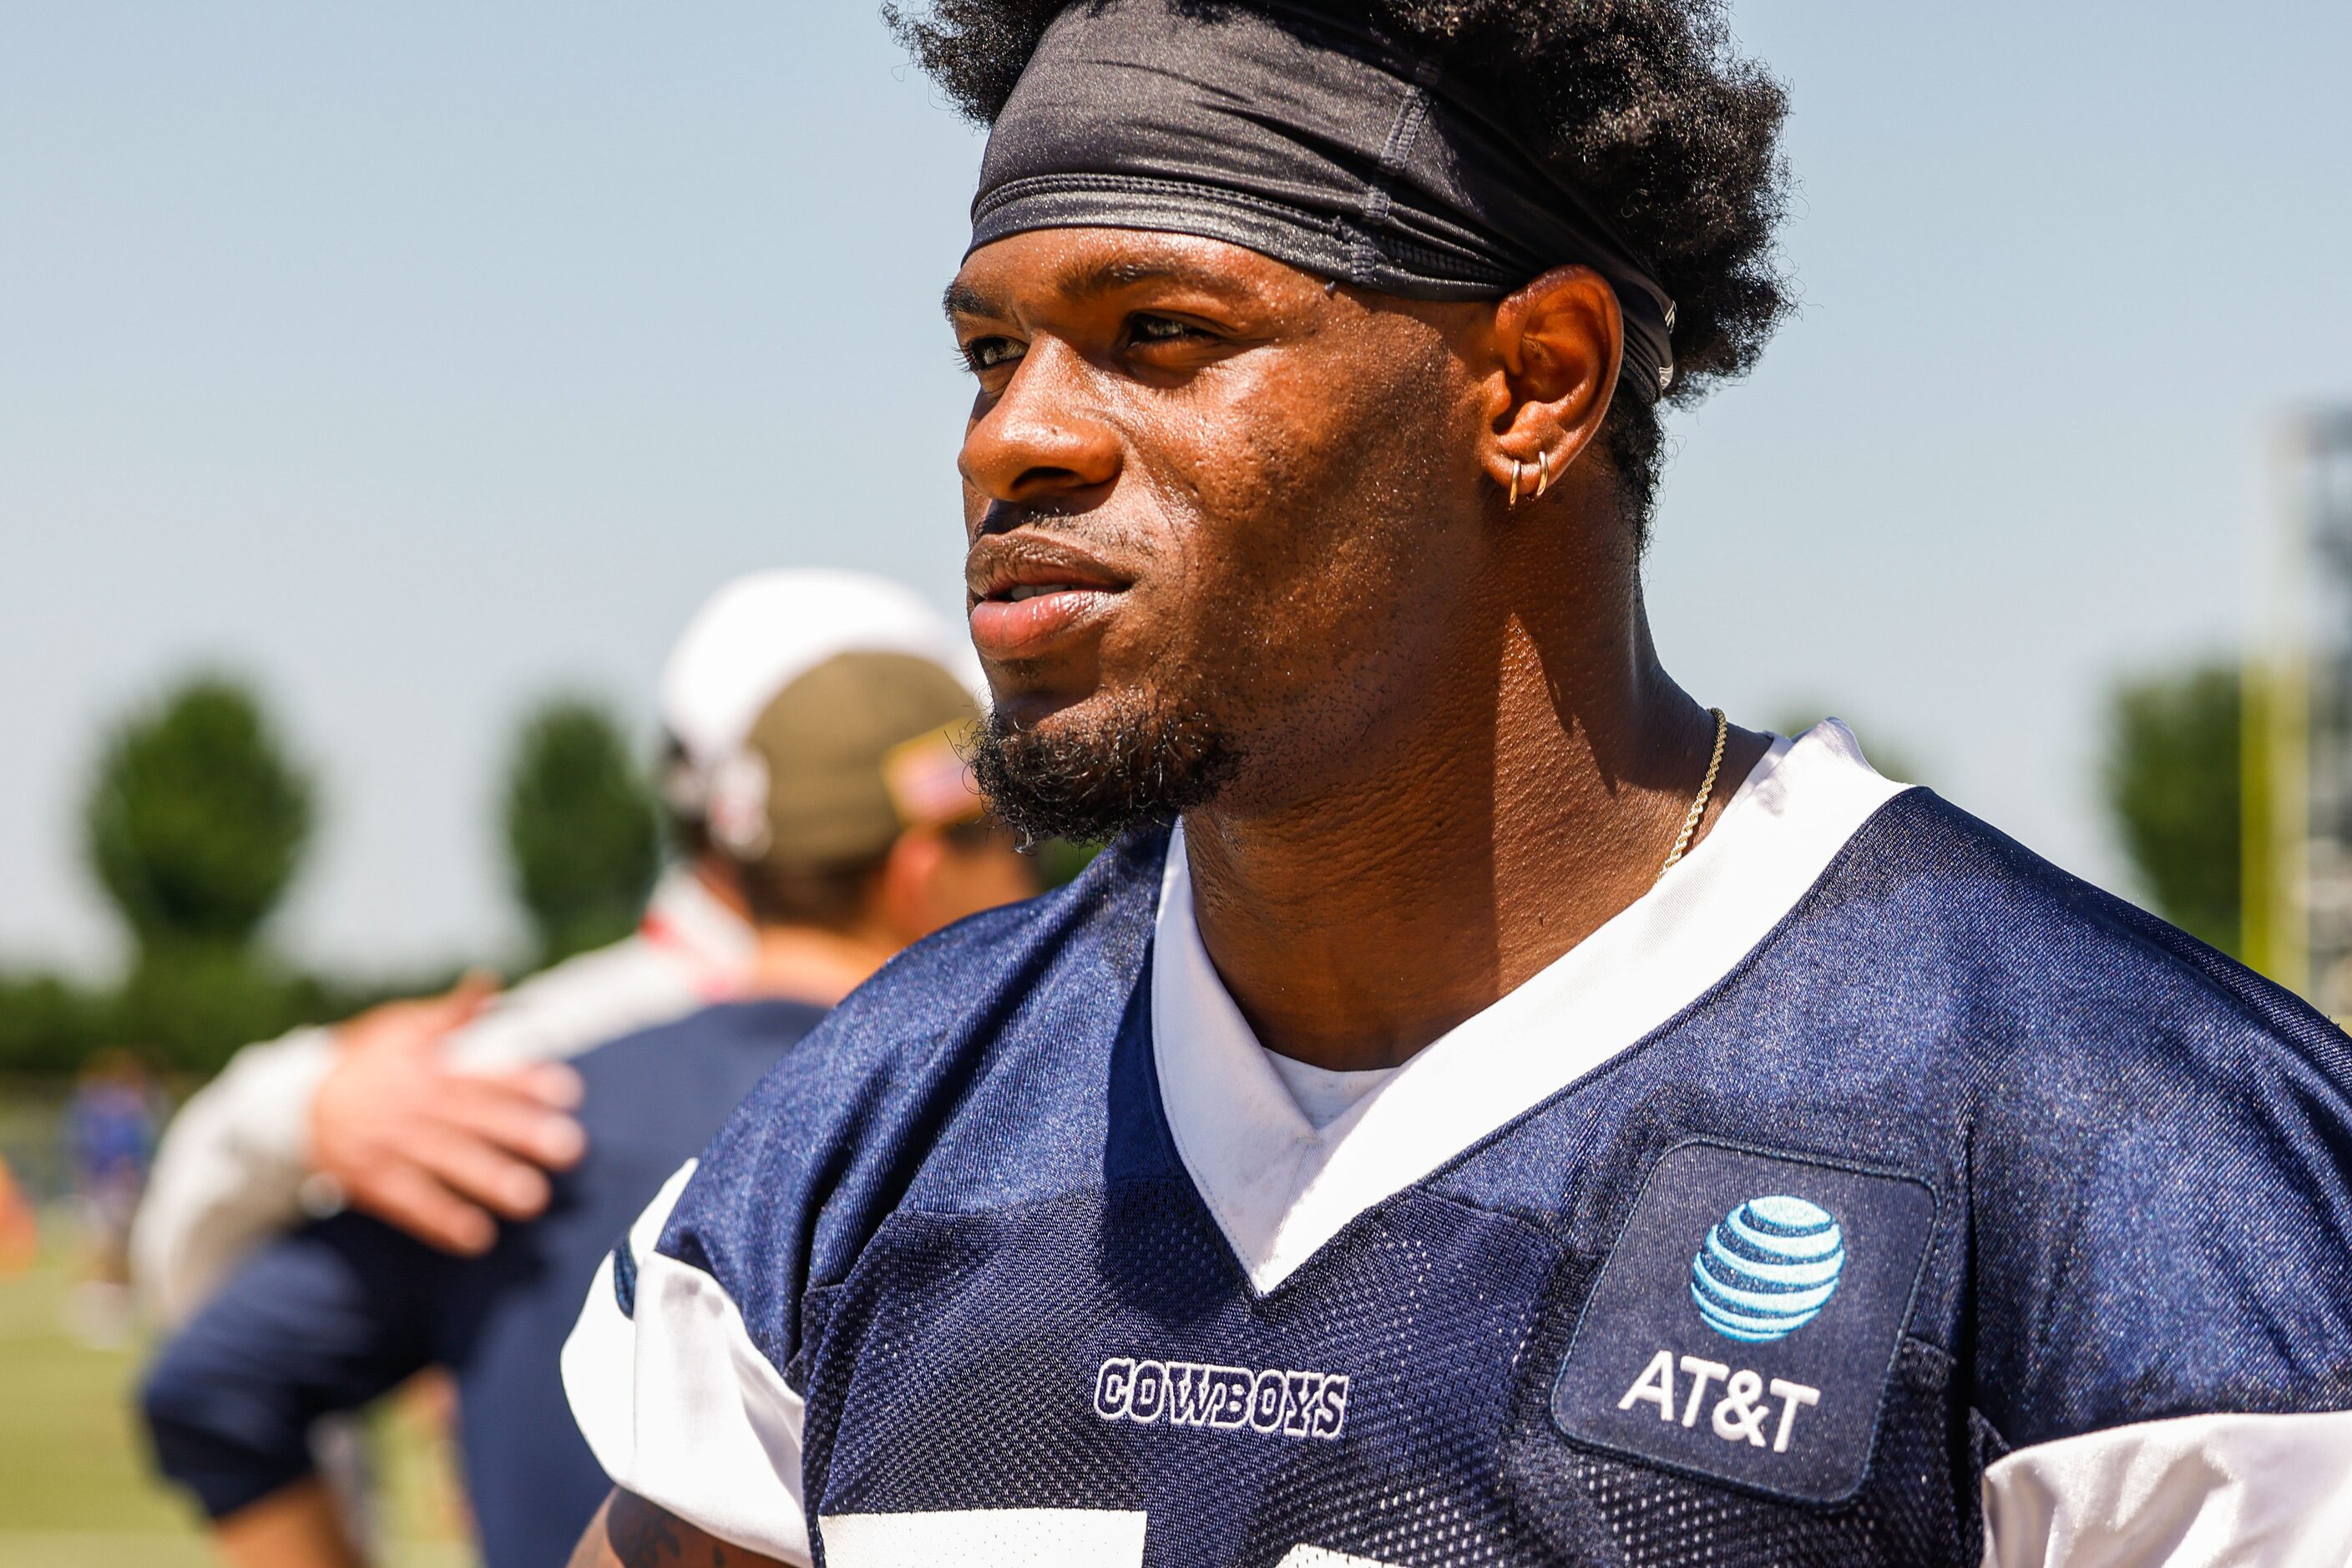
(2196, 1491)
(678, 1404)
(229, 1171)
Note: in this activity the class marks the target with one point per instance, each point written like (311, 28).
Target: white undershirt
(1321, 1095)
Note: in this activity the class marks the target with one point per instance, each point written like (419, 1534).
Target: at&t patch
(1745, 1326)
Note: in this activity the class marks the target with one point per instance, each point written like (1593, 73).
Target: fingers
(475, 984)
(474, 990)
(438, 1152)
(552, 1083)
(514, 1113)
(426, 1019)
(478, 1172)
(405, 1197)
(451, 1178)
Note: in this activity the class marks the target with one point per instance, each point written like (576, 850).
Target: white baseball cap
(759, 633)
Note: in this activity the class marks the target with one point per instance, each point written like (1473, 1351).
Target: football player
(1483, 1106)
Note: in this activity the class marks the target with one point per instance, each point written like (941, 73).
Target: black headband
(1305, 137)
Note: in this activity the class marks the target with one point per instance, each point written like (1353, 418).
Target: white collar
(1279, 1190)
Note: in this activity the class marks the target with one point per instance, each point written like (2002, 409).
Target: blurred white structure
(2298, 751)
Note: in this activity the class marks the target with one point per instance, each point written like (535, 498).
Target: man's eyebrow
(962, 299)
(1090, 283)
(1084, 285)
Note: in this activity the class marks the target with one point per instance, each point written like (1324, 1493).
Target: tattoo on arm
(630, 1532)
(643, 1536)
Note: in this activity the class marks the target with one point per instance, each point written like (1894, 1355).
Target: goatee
(1090, 782)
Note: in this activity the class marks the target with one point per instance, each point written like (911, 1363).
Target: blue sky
(418, 359)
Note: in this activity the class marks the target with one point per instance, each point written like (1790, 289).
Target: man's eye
(987, 354)
(1162, 329)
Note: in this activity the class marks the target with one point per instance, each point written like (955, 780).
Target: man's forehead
(1085, 266)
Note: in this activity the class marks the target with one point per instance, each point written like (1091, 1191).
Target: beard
(1090, 782)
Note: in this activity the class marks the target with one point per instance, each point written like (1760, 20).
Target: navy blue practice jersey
(1869, 1192)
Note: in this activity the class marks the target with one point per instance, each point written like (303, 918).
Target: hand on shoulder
(439, 1151)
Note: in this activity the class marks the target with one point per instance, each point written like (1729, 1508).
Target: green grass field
(75, 1491)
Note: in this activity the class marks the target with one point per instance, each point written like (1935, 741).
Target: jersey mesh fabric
(960, 1349)
(2138, 1155)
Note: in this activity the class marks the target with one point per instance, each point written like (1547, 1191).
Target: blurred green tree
(196, 819)
(194, 1004)
(48, 1023)
(2171, 775)
(196, 823)
(582, 836)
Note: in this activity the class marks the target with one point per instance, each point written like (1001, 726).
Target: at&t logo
(1765, 1271)
(1768, 1269)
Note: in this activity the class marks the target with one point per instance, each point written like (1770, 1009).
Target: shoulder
(2091, 1036)
(759, 1026)
(2045, 1018)
(682, 1078)
(584, 1000)
(968, 998)
(2043, 962)
(2157, 1140)
(969, 1072)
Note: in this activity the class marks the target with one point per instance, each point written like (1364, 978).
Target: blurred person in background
(110, 1140)
(439, 1115)
(846, 826)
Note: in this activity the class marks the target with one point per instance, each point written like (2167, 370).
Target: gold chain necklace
(1705, 792)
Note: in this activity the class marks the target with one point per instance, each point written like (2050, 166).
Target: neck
(721, 881)
(813, 964)
(1463, 847)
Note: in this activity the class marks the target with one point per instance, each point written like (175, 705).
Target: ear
(1557, 343)
(908, 888)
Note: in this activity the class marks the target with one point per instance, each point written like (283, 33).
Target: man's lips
(1030, 618)
(1029, 594)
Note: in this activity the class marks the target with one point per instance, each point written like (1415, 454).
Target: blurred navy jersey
(1868, 1188)
(337, 1313)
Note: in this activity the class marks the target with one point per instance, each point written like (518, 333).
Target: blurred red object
(20, 1234)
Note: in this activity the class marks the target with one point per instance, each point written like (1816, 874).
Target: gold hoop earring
(1543, 472)
(1515, 466)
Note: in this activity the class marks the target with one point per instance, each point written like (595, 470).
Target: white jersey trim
(679, 1406)
(986, 1538)
(2196, 1491)
(1279, 1189)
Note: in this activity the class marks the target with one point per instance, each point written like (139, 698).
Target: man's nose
(1042, 441)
